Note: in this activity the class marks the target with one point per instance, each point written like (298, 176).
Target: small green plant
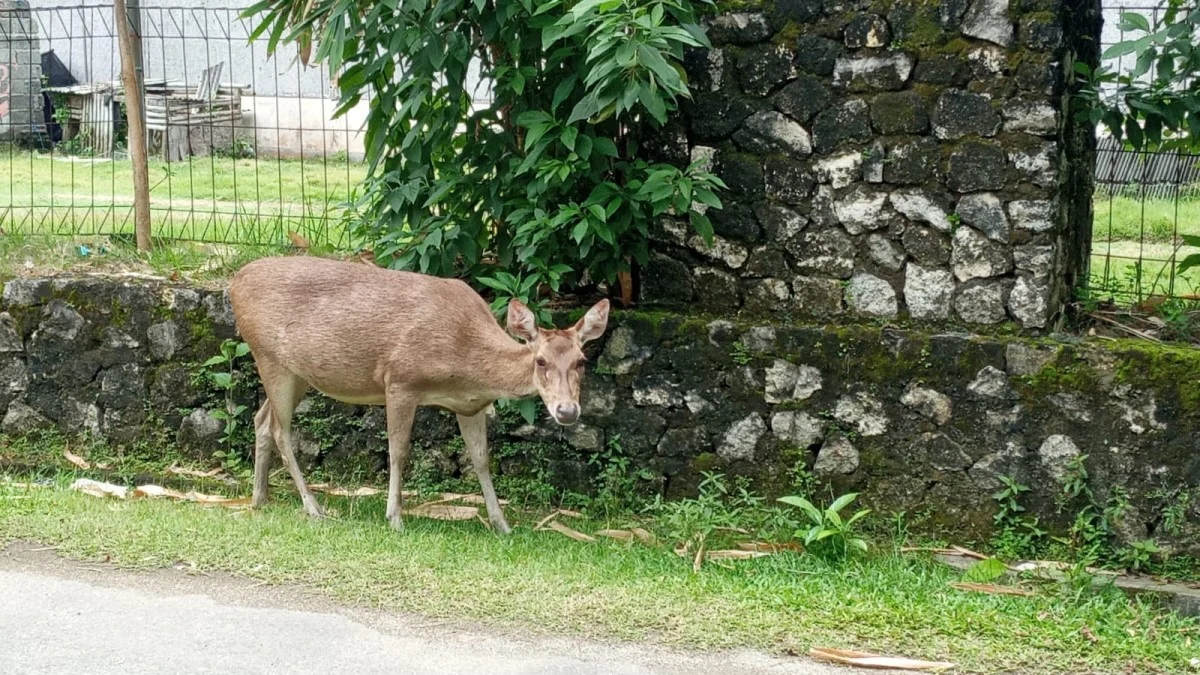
(1017, 534)
(1137, 556)
(617, 482)
(221, 372)
(985, 571)
(740, 354)
(828, 531)
(695, 520)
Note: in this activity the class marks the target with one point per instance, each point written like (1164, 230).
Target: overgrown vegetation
(547, 180)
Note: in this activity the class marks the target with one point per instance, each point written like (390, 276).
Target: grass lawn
(542, 581)
(252, 201)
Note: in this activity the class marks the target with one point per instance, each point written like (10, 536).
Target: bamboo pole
(137, 127)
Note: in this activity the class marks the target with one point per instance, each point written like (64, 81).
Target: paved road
(63, 617)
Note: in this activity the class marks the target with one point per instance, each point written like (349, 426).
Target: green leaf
(242, 349)
(841, 502)
(702, 225)
(985, 571)
(216, 360)
(1131, 21)
(1189, 262)
(222, 380)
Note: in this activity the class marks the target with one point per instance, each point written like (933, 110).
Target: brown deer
(371, 336)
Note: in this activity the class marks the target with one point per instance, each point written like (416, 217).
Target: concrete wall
(20, 72)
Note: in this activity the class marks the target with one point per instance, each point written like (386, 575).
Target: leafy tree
(543, 186)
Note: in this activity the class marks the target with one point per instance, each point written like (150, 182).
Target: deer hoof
(397, 523)
(315, 511)
(501, 527)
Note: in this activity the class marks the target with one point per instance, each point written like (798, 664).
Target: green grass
(1123, 218)
(255, 201)
(542, 581)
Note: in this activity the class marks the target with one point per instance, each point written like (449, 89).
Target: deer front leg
(401, 409)
(474, 432)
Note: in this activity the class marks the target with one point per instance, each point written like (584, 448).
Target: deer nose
(566, 413)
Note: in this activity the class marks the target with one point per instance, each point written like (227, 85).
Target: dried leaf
(868, 660)
(542, 523)
(735, 555)
(195, 473)
(97, 489)
(363, 491)
(477, 500)
(157, 491)
(619, 535)
(768, 547)
(443, 511)
(990, 589)
(572, 533)
(643, 536)
(1087, 633)
(699, 559)
(76, 460)
(297, 240)
(569, 513)
(560, 512)
(217, 500)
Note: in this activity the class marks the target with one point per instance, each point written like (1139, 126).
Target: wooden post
(137, 126)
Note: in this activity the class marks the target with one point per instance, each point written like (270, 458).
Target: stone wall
(923, 422)
(20, 72)
(885, 158)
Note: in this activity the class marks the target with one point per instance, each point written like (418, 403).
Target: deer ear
(521, 322)
(592, 325)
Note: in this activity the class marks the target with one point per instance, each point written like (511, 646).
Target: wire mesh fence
(1143, 203)
(243, 148)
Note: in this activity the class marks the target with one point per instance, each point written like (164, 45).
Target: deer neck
(508, 370)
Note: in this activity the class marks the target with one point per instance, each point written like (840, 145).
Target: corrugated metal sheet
(1154, 174)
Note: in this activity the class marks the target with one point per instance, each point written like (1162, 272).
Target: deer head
(558, 359)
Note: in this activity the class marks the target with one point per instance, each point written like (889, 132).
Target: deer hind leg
(401, 409)
(264, 447)
(474, 432)
(284, 392)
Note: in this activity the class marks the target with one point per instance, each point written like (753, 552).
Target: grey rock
(1041, 32)
(961, 113)
(199, 433)
(986, 473)
(721, 249)
(926, 246)
(1056, 454)
(1005, 420)
(705, 68)
(766, 296)
(80, 417)
(921, 206)
(797, 10)
(989, 20)
(1038, 162)
(739, 28)
(803, 98)
(884, 253)
(183, 299)
(867, 30)
(1033, 215)
(788, 181)
(759, 339)
(20, 419)
(165, 340)
(862, 411)
(1025, 360)
(762, 69)
(820, 54)
(741, 439)
(736, 221)
(985, 212)
(14, 378)
(896, 113)
(772, 132)
(1031, 117)
(786, 381)
(666, 280)
(686, 442)
(1035, 259)
(837, 456)
(716, 116)
(657, 395)
(219, 309)
(991, 383)
(974, 256)
(828, 252)
(778, 222)
(26, 292)
(817, 296)
(930, 403)
(912, 162)
(981, 303)
(976, 166)
(840, 170)
(10, 340)
(944, 70)
(766, 262)
(940, 453)
(927, 292)
(797, 429)
(1071, 406)
(61, 321)
(122, 386)
(1028, 302)
(621, 354)
(849, 122)
(718, 291)
(860, 210)
(868, 295)
(866, 73)
(874, 159)
(696, 404)
(987, 62)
